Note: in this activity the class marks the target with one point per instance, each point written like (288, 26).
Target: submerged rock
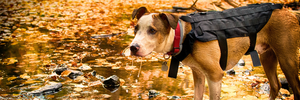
(284, 83)
(231, 72)
(174, 97)
(59, 70)
(111, 83)
(247, 72)
(241, 63)
(284, 92)
(264, 88)
(153, 93)
(46, 90)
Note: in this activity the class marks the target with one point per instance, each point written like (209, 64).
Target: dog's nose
(134, 48)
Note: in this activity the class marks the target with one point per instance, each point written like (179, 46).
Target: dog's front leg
(214, 89)
(214, 83)
(214, 75)
(199, 83)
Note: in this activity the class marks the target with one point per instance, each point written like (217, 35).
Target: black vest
(230, 23)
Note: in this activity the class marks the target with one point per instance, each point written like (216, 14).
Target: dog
(277, 43)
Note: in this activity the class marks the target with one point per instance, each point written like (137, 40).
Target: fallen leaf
(24, 76)
(95, 83)
(77, 89)
(11, 78)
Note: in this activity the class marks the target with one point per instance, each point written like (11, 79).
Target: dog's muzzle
(134, 48)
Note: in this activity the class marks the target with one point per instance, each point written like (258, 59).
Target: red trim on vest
(176, 43)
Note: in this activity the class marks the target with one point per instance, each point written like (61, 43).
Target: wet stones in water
(284, 83)
(72, 74)
(174, 97)
(153, 93)
(46, 90)
(91, 76)
(107, 35)
(241, 63)
(265, 88)
(247, 72)
(93, 73)
(231, 72)
(112, 83)
(59, 70)
(284, 93)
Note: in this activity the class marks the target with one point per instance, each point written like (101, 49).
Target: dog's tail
(297, 13)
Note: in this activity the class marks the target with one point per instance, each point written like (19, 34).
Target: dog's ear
(138, 13)
(172, 19)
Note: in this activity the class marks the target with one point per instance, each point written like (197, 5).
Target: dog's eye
(152, 31)
(136, 28)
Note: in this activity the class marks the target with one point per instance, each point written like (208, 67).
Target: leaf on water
(72, 74)
(11, 78)
(32, 82)
(15, 95)
(105, 96)
(11, 61)
(231, 89)
(250, 97)
(66, 73)
(284, 91)
(126, 52)
(91, 76)
(122, 82)
(115, 67)
(264, 97)
(52, 78)
(75, 94)
(130, 68)
(24, 76)
(74, 64)
(77, 89)
(80, 79)
(100, 60)
(39, 76)
(85, 67)
(108, 65)
(260, 75)
(95, 83)
(50, 96)
(14, 43)
(4, 95)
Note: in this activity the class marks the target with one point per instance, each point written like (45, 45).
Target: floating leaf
(72, 74)
(95, 83)
(85, 67)
(130, 68)
(105, 95)
(77, 89)
(11, 78)
(24, 76)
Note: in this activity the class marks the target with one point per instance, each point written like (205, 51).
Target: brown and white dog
(277, 42)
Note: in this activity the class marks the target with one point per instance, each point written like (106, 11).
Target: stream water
(38, 37)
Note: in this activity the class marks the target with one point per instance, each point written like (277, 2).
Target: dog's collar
(178, 39)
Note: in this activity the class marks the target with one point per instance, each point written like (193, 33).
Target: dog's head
(152, 32)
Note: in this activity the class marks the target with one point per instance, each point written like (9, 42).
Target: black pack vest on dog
(220, 25)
